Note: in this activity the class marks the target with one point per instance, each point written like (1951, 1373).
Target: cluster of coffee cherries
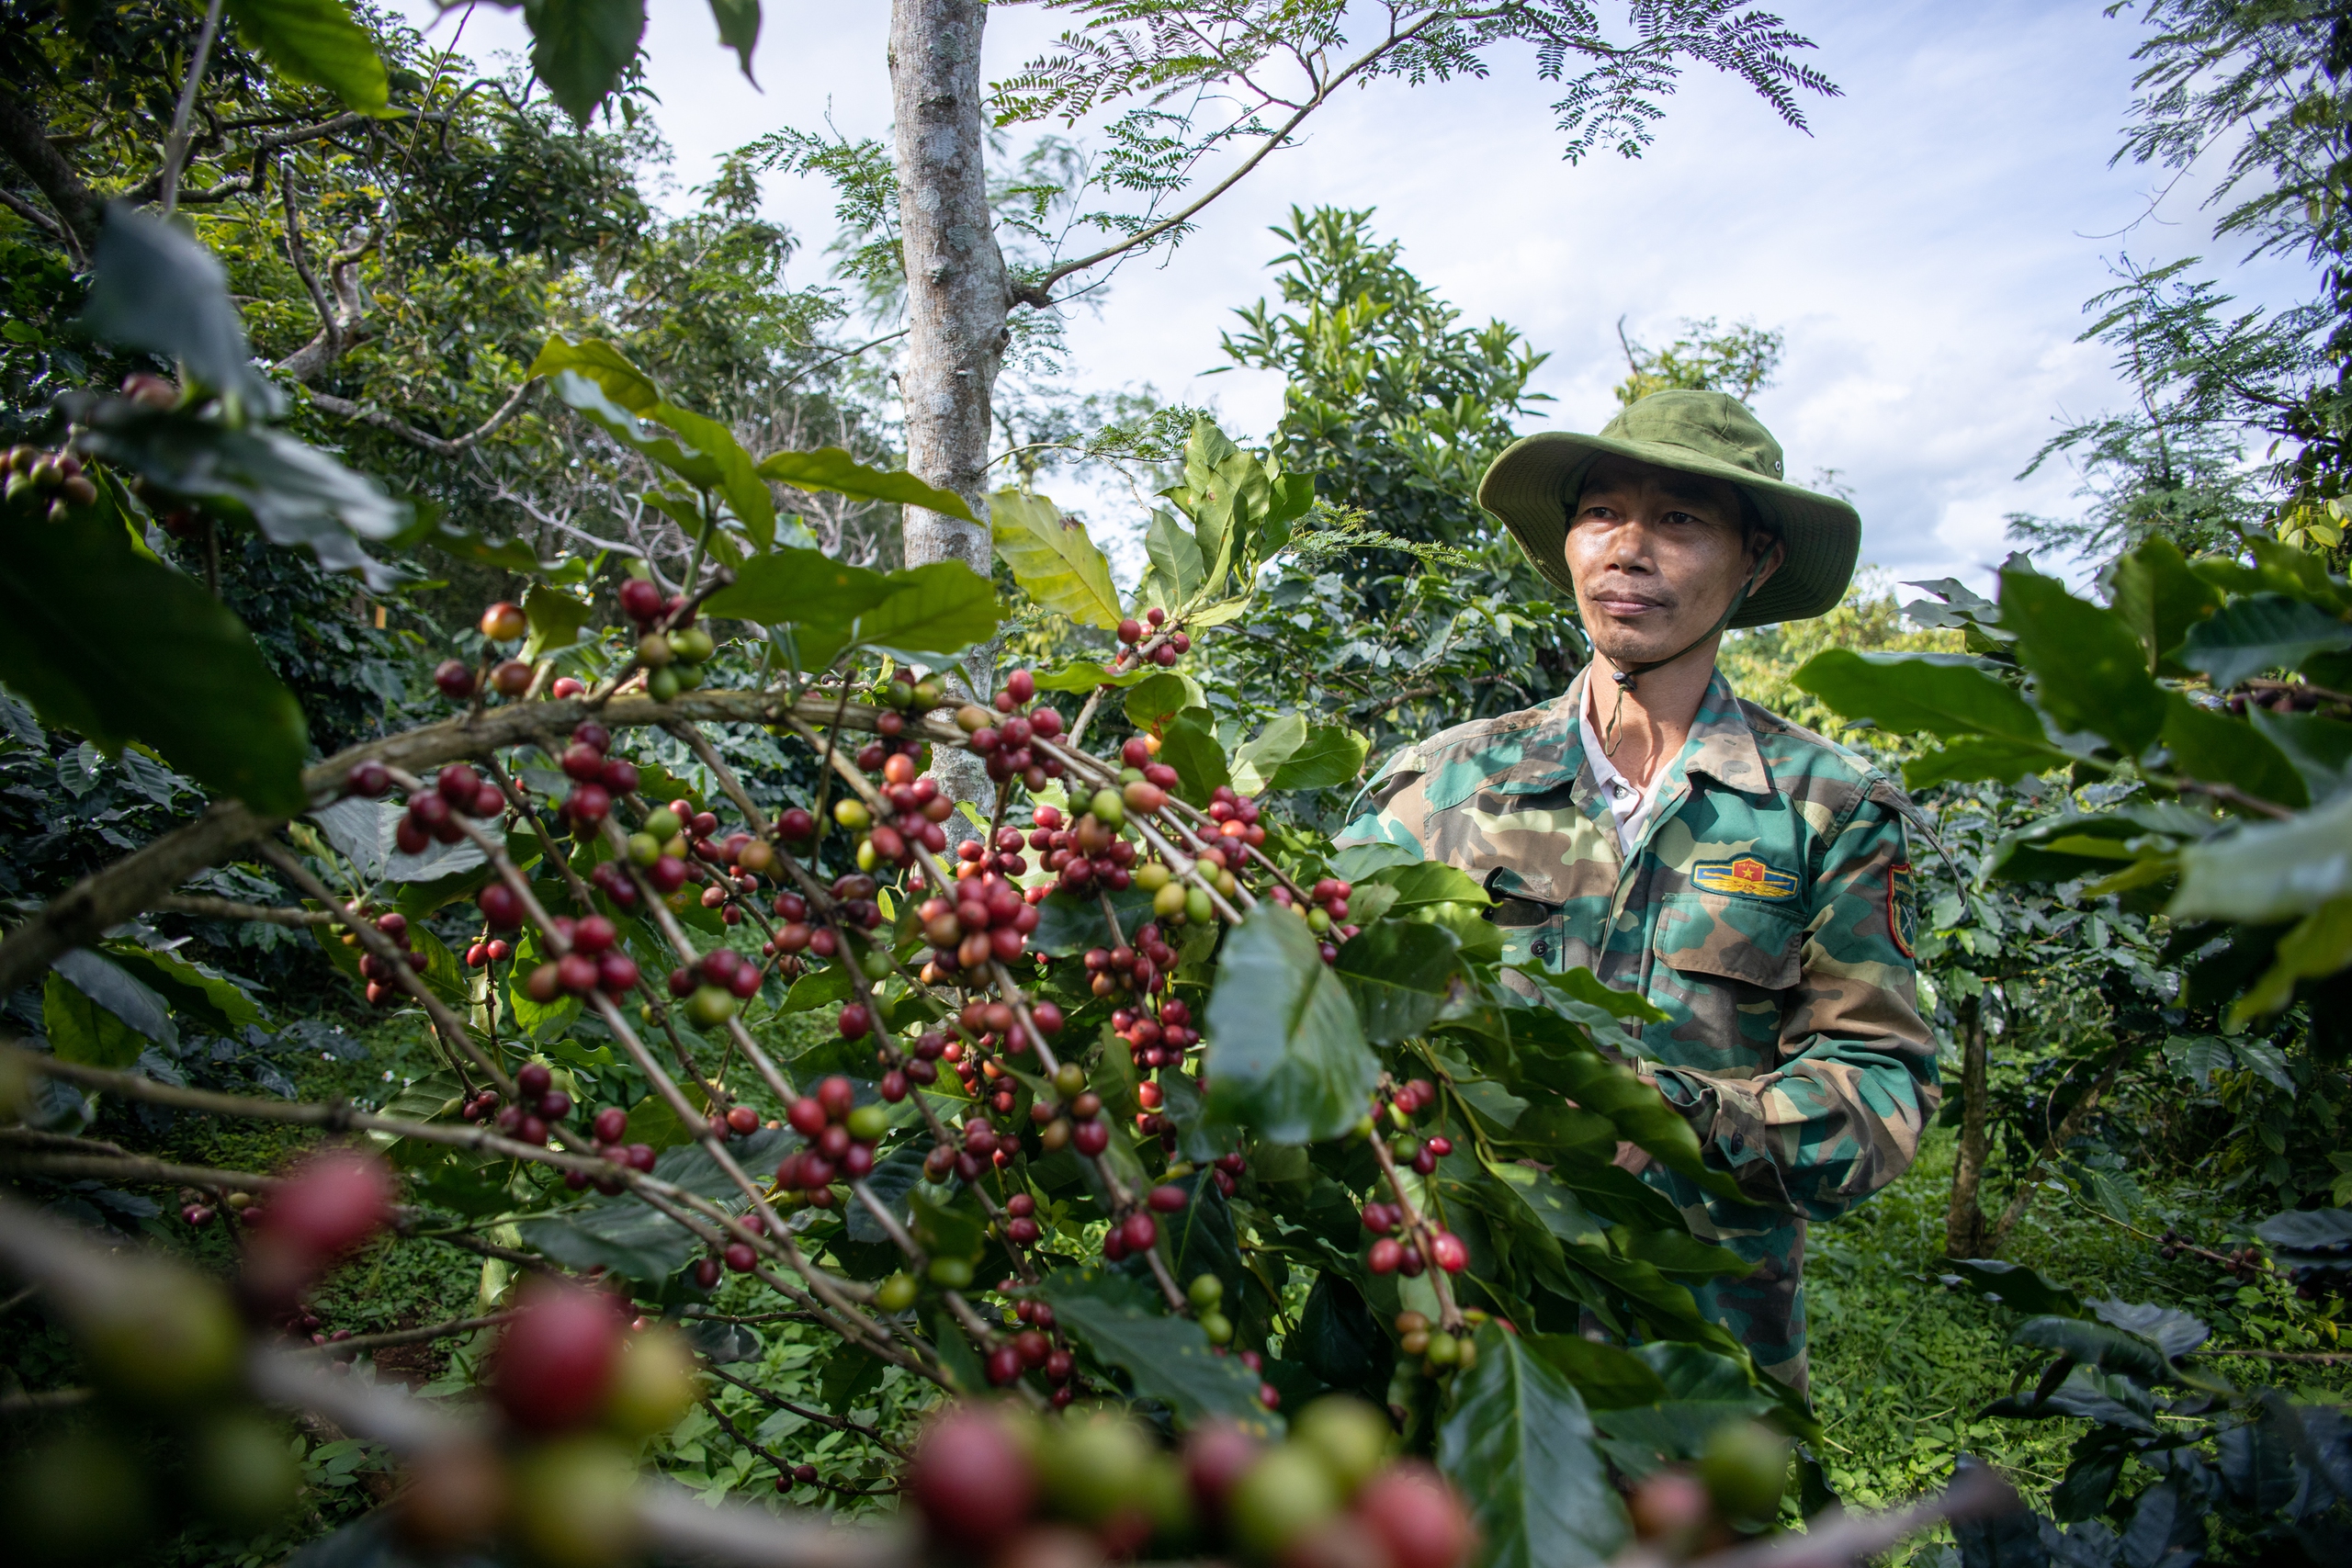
(594, 962)
(986, 919)
(52, 481)
(378, 972)
(537, 1112)
(1153, 1041)
(503, 622)
(671, 658)
(916, 818)
(840, 1135)
(1327, 907)
(486, 951)
(1163, 652)
(1037, 1344)
(579, 1392)
(1439, 1351)
(675, 845)
(608, 1139)
(994, 1483)
(1734, 1492)
(597, 779)
(1005, 745)
(714, 985)
(1388, 1255)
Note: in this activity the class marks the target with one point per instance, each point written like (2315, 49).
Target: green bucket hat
(1532, 486)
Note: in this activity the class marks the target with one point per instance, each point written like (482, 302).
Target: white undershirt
(1629, 804)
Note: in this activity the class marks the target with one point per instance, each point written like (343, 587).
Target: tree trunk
(1964, 1224)
(26, 142)
(956, 298)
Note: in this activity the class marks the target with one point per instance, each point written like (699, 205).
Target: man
(1749, 877)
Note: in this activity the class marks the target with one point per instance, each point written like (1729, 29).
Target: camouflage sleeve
(1841, 1113)
(1395, 808)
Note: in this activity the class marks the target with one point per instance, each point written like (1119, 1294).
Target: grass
(1901, 1365)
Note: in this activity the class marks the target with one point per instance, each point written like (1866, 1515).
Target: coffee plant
(1224, 1189)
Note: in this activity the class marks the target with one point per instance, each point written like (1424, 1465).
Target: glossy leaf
(1427, 882)
(2015, 1286)
(556, 618)
(80, 1029)
(737, 478)
(1151, 701)
(317, 41)
(2318, 748)
(599, 362)
(2173, 1332)
(296, 495)
(1070, 923)
(821, 596)
(1052, 558)
(1168, 1358)
(1946, 695)
(1519, 1444)
(2094, 1345)
(2158, 598)
(834, 471)
(2262, 631)
(1331, 755)
(1175, 559)
(2269, 871)
(107, 642)
(581, 49)
(1189, 744)
(2090, 672)
(1974, 757)
(1401, 975)
(933, 613)
(1259, 758)
(621, 1235)
(2214, 747)
(156, 288)
(1286, 1055)
(191, 989)
(1700, 1391)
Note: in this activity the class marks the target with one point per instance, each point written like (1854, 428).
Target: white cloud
(1926, 249)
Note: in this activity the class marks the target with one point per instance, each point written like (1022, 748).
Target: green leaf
(1401, 973)
(114, 989)
(1189, 744)
(2318, 748)
(621, 1235)
(1161, 694)
(1085, 674)
(1701, 1390)
(192, 989)
(2089, 671)
(2263, 631)
(1634, 1108)
(107, 642)
(1581, 985)
(1070, 923)
(1519, 1444)
(1976, 757)
(739, 28)
(831, 469)
(737, 478)
(581, 49)
(602, 364)
(1052, 558)
(820, 596)
(1168, 1358)
(1946, 695)
(1429, 882)
(504, 555)
(2269, 871)
(2317, 946)
(556, 618)
(296, 495)
(1331, 755)
(1286, 1055)
(81, 1030)
(2210, 745)
(1260, 756)
(156, 288)
(2095, 1345)
(2015, 1286)
(933, 612)
(317, 41)
(2158, 597)
(1176, 559)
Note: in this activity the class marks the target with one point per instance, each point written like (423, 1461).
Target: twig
(838, 1423)
(230, 909)
(175, 147)
(407, 1335)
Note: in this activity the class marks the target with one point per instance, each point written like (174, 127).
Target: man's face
(1657, 556)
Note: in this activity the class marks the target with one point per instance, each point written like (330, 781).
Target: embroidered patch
(1745, 875)
(1902, 906)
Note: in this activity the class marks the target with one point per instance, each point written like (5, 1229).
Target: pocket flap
(1736, 938)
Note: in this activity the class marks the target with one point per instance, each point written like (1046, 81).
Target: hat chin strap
(1629, 676)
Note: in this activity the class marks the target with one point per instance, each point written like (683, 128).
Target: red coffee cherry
(1417, 1516)
(972, 1480)
(556, 1361)
(454, 677)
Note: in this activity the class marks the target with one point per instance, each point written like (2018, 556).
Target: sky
(1927, 248)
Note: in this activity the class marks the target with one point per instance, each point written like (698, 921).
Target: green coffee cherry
(644, 848)
(895, 1293)
(1218, 1326)
(653, 650)
(663, 684)
(952, 1273)
(692, 645)
(663, 824)
(1198, 909)
(241, 1471)
(1170, 899)
(869, 1123)
(1349, 1435)
(1110, 807)
(710, 1007)
(1206, 1291)
(1745, 1466)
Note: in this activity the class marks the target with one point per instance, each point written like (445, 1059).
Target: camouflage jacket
(1766, 909)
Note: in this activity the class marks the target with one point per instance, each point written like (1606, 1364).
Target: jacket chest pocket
(1731, 938)
(1531, 931)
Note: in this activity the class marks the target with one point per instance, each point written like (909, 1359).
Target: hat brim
(1530, 485)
